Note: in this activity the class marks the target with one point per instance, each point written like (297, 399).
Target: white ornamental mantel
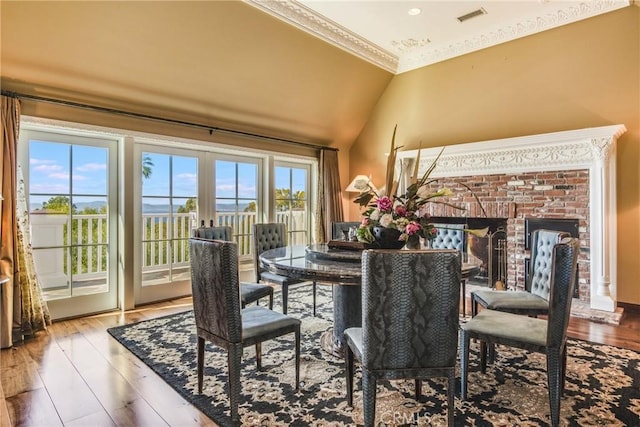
(593, 149)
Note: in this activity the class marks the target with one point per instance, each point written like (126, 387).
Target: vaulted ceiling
(242, 65)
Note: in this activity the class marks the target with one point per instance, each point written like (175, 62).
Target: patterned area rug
(602, 386)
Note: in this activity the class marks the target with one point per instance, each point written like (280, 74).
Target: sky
(58, 169)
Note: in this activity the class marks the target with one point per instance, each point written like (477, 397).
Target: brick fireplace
(527, 180)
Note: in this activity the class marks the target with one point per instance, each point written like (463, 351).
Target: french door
(167, 212)
(71, 191)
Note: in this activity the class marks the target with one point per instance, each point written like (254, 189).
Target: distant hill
(146, 207)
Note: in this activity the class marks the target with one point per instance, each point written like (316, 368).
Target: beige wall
(582, 75)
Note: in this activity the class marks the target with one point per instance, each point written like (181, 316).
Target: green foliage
(285, 201)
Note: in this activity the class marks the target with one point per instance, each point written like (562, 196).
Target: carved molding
(538, 153)
(568, 13)
(415, 54)
(308, 20)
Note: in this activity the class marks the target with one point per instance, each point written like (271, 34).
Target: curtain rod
(211, 129)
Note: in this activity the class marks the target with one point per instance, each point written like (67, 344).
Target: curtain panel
(329, 195)
(23, 310)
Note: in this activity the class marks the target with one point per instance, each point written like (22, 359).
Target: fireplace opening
(568, 225)
(489, 251)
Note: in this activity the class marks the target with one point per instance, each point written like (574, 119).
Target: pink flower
(401, 210)
(384, 203)
(365, 222)
(412, 228)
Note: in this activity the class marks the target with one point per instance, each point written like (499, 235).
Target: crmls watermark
(406, 418)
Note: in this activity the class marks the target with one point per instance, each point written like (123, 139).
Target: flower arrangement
(409, 212)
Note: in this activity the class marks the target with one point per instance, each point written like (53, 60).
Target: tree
(147, 165)
(58, 204)
(189, 206)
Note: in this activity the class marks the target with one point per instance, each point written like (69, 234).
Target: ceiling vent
(473, 14)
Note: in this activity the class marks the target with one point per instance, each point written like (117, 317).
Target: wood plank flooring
(77, 375)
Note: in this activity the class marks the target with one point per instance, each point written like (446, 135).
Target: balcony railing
(163, 247)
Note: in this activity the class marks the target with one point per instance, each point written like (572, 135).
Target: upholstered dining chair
(249, 292)
(533, 300)
(547, 336)
(219, 319)
(409, 322)
(338, 228)
(271, 236)
(451, 236)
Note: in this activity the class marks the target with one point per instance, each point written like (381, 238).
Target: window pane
(155, 173)
(49, 167)
(89, 170)
(185, 176)
(247, 178)
(225, 179)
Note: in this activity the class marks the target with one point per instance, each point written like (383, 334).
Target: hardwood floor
(77, 375)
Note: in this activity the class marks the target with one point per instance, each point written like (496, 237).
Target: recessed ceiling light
(414, 11)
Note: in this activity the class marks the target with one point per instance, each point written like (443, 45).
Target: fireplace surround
(592, 150)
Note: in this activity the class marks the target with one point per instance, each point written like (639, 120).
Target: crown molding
(317, 25)
(571, 12)
(420, 54)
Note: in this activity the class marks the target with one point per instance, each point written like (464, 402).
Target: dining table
(336, 266)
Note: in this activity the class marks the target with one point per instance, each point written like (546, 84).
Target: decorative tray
(349, 245)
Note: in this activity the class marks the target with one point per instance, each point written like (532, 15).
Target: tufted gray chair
(216, 307)
(449, 236)
(409, 322)
(533, 300)
(452, 236)
(547, 336)
(270, 236)
(249, 292)
(337, 228)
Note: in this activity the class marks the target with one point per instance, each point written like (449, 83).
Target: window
(291, 196)
(236, 198)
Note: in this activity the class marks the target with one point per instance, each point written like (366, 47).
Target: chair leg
(474, 305)
(271, 300)
(297, 333)
(234, 359)
(463, 295)
(483, 356)
(348, 361)
(314, 299)
(418, 386)
(451, 406)
(200, 363)
(368, 397)
(285, 298)
(259, 356)
(554, 362)
(563, 373)
(465, 341)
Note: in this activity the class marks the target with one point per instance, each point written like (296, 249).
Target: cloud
(90, 167)
(33, 161)
(47, 167)
(59, 175)
(47, 188)
(187, 176)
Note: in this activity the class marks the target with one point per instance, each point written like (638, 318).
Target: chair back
(267, 236)
(539, 280)
(449, 236)
(563, 279)
(215, 287)
(222, 232)
(337, 228)
(410, 308)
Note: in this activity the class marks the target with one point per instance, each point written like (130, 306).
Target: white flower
(375, 215)
(423, 192)
(386, 220)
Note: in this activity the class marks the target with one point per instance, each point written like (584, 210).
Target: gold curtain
(23, 310)
(329, 195)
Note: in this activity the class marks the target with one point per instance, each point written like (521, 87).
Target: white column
(602, 176)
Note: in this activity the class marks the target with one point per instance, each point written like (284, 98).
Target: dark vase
(387, 238)
(413, 242)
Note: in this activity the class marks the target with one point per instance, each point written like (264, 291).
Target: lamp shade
(359, 184)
